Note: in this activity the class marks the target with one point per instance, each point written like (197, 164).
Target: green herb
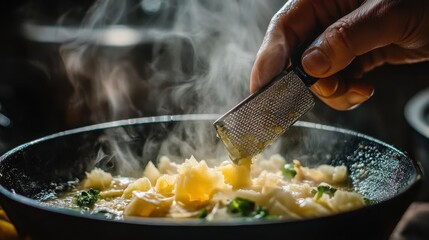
(203, 213)
(241, 206)
(246, 208)
(260, 212)
(272, 217)
(289, 171)
(87, 198)
(323, 189)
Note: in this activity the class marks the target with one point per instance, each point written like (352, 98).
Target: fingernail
(316, 89)
(355, 99)
(326, 87)
(316, 62)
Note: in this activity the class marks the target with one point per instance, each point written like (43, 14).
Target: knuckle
(338, 37)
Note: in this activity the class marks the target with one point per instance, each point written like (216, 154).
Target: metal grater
(248, 128)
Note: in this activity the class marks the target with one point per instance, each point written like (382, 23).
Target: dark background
(34, 91)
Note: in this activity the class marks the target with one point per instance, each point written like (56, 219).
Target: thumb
(368, 27)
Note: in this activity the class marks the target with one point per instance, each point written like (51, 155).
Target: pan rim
(179, 222)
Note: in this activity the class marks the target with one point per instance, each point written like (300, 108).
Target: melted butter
(233, 152)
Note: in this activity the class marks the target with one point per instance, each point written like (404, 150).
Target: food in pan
(270, 188)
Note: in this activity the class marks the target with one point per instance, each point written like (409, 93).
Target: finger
(364, 63)
(281, 36)
(295, 23)
(391, 54)
(354, 34)
(269, 62)
(342, 94)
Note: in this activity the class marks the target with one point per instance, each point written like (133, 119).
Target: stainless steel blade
(248, 128)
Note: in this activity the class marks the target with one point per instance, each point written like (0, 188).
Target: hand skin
(352, 37)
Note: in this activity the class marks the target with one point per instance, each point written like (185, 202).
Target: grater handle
(299, 70)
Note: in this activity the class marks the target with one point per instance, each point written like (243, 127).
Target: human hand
(354, 37)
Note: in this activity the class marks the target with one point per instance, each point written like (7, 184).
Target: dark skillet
(38, 169)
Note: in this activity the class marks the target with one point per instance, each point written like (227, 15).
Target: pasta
(272, 188)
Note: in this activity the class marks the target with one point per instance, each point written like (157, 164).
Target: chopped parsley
(323, 189)
(260, 212)
(242, 207)
(289, 171)
(87, 198)
(203, 213)
(245, 208)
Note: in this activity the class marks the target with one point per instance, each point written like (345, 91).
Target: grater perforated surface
(252, 125)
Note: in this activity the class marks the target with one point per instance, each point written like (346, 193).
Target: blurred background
(66, 64)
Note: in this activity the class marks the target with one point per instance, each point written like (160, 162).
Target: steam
(175, 57)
